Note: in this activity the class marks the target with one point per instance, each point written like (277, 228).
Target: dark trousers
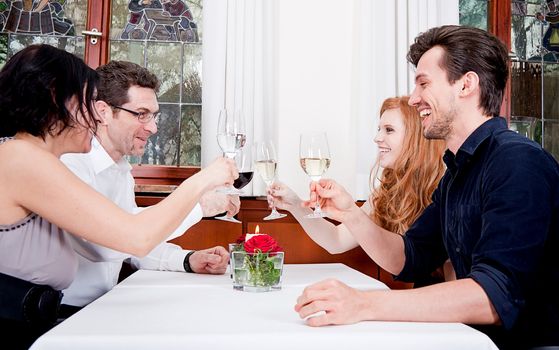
(18, 335)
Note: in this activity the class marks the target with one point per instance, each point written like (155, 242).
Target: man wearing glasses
(128, 110)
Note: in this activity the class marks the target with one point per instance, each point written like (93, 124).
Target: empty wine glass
(245, 167)
(314, 156)
(231, 137)
(265, 162)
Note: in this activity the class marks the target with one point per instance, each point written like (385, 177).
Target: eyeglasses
(143, 117)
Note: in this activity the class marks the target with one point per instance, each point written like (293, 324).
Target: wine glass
(231, 137)
(245, 167)
(314, 155)
(265, 162)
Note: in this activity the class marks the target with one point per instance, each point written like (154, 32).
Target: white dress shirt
(99, 267)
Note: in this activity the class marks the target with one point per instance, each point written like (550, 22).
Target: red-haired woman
(410, 167)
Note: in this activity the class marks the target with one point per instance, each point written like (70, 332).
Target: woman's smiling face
(390, 137)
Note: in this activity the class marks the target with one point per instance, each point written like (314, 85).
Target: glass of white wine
(314, 155)
(231, 137)
(265, 162)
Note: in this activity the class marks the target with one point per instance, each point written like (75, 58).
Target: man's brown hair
(468, 49)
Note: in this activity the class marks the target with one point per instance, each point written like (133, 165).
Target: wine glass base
(228, 218)
(315, 215)
(274, 216)
(229, 190)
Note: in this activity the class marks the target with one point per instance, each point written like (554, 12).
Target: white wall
(314, 85)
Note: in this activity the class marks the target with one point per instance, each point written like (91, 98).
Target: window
(535, 71)
(23, 23)
(165, 37)
(533, 39)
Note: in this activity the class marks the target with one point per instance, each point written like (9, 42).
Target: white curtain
(311, 65)
(386, 29)
(238, 61)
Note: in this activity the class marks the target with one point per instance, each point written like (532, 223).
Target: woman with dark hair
(47, 110)
(410, 168)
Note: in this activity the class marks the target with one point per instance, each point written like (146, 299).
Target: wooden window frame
(99, 17)
(499, 18)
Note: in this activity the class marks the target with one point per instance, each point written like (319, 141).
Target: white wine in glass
(265, 162)
(231, 137)
(314, 156)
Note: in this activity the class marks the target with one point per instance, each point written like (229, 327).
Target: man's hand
(213, 261)
(214, 203)
(330, 302)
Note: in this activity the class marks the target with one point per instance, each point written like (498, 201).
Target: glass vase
(257, 272)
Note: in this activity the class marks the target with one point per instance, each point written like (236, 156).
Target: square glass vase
(257, 272)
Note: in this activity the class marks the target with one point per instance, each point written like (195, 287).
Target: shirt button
(457, 250)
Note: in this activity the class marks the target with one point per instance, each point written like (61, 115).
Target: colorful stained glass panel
(53, 22)
(165, 20)
(165, 36)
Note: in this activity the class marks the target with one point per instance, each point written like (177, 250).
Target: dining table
(175, 310)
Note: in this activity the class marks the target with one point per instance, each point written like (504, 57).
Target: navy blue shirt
(495, 214)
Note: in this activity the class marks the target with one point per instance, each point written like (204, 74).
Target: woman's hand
(334, 200)
(283, 197)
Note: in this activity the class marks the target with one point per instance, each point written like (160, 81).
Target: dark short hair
(36, 83)
(468, 49)
(116, 77)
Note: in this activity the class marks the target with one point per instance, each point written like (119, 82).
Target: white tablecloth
(172, 310)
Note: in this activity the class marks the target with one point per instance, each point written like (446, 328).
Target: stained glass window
(54, 22)
(166, 37)
(535, 71)
(534, 65)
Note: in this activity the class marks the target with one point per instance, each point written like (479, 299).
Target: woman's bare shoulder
(20, 157)
(17, 150)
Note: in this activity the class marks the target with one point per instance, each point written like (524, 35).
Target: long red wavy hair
(404, 191)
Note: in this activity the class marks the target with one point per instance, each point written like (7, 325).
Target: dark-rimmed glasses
(143, 117)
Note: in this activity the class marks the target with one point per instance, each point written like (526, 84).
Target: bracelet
(186, 262)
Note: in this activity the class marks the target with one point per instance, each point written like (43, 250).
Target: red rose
(241, 239)
(264, 243)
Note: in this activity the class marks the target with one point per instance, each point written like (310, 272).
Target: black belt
(34, 304)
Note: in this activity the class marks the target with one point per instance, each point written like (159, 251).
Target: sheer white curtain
(385, 31)
(238, 60)
(314, 65)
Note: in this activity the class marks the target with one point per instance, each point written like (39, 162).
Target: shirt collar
(102, 160)
(473, 142)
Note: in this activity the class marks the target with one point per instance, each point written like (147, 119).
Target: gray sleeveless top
(37, 251)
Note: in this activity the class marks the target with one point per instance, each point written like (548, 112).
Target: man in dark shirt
(495, 213)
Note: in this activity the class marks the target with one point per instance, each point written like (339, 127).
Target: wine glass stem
(317, 209)
(274, 211)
